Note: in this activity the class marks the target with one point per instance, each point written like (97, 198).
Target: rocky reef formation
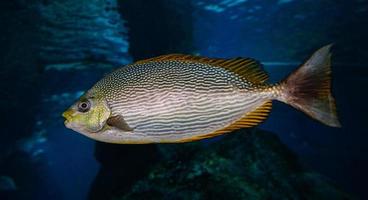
(48, 42)
(247, 164)
(87, 30)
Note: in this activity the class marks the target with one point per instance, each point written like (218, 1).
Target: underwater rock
(33, 144)
(7, 184)
(247, 164)
(219, 6)
(121, 167)
(89, 30)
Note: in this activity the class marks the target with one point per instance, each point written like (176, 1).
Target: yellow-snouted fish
(181, 98)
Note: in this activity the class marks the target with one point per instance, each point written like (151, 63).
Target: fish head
(88, 115)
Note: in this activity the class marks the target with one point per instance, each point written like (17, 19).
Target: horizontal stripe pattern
(175, 100)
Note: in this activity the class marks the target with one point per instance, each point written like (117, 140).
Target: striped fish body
(178, 98)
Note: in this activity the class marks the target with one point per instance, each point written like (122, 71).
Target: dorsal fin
(247, 68)
(250, 119)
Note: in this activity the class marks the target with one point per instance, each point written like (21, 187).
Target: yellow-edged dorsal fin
(250, 119)
(247, 68)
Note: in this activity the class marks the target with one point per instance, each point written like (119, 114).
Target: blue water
(53, 51)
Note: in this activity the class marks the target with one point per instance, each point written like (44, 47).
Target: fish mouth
(67, 117)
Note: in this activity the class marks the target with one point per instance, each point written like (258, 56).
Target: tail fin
(309, 88)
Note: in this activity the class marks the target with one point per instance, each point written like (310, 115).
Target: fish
(179, 98)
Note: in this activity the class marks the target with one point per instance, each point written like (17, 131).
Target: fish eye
(84, 106)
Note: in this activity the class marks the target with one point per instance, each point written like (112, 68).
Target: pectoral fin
(118, 122)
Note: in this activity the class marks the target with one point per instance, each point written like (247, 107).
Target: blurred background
(53, 50)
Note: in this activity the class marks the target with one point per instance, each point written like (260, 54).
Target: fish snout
(67, 116)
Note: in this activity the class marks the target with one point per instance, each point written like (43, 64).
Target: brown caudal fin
(309, 88)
